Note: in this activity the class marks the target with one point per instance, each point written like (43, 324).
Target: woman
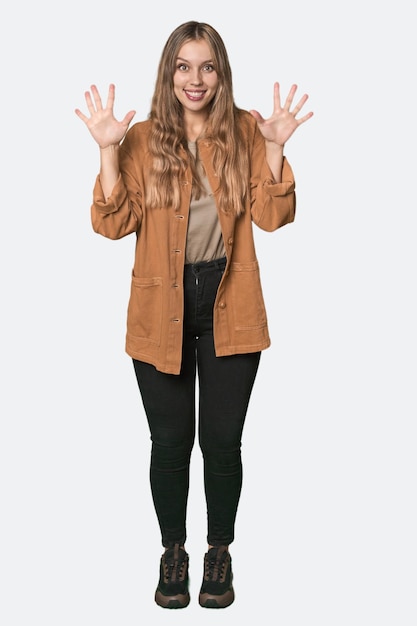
(190, 181)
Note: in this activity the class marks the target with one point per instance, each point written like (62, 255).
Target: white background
(326, 526)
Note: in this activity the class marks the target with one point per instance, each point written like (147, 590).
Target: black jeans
(224, 389)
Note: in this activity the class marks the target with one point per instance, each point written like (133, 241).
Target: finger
(81, 115)
(110, 97)
(290, 97)
(258, 117)
(277, 97)
(305, 118)
(128, 118)
(300, 104)
(97, 98)
(89, 102)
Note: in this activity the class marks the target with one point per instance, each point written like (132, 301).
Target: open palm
(283, 122)
(103, 126)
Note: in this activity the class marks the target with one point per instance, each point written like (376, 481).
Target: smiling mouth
(194, 95)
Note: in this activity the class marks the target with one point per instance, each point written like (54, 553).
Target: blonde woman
(189, 182)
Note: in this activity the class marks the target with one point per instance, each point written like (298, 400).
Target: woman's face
(195, 79)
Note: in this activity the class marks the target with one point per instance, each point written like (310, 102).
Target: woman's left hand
(282, 123)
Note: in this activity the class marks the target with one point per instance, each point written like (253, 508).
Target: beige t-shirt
(204, 235)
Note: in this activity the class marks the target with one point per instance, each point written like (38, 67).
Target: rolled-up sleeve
(119, 214)
(114, 202)
(274, 203)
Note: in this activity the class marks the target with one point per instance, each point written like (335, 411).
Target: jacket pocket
(247, 298)
(144, 316)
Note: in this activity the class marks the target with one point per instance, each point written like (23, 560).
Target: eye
(208, 67)
(182, 67)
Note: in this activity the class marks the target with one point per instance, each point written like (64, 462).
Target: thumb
(128, 117)
(258, 117)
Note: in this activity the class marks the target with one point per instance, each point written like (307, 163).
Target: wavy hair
(168, 139)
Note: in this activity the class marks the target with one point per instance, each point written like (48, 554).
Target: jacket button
(222, 305)
(230, 241)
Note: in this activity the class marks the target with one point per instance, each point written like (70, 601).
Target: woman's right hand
(102, 124)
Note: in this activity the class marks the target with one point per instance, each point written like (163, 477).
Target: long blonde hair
(168, 137)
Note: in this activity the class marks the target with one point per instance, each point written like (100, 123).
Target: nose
(196, 77)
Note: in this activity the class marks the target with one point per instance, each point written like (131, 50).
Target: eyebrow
(186, 60)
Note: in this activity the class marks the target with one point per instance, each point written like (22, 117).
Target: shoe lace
(174, 566)
(215, 564)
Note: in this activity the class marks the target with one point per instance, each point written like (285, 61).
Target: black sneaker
(216, 591)
(172, 591)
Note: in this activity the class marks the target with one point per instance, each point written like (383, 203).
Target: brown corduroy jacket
(155, 309)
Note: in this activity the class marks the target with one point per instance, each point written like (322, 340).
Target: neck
(195, 127)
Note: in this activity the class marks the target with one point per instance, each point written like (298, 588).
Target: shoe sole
(210, 601)
(179, 601)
